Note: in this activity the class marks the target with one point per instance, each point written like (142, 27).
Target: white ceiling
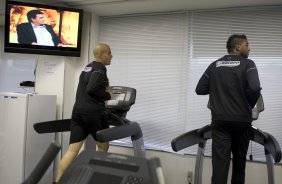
(120, 7)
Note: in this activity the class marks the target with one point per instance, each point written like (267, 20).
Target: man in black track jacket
(233, 86)
(88, 114)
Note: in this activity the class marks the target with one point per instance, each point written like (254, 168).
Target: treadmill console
(259, 107)
(122, 98)
(91, 167)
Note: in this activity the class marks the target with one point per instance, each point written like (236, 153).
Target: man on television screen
(35, 32)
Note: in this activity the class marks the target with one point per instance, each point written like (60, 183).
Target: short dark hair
(32, 14)
(233, 40)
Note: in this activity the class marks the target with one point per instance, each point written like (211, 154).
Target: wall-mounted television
(42, 29)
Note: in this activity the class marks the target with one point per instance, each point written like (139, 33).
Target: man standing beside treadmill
(233, 86)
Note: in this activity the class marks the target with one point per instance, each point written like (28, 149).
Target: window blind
(208, 34)
(150, 55)
(2, 39)
(164, 56)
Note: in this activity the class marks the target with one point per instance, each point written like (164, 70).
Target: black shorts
(84, 124)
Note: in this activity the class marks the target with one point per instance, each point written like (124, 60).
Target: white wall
(50, 78)
(15, 68)
(63, 82)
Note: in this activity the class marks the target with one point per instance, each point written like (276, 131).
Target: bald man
(88, 115)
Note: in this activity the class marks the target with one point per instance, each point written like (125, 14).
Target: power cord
(251, 154)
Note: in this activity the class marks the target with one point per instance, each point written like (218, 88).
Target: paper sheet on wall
(49, 66)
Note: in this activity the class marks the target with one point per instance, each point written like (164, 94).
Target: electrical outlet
(189, 177)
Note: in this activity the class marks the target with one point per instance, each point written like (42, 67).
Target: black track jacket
(233, 86)
(91, 91)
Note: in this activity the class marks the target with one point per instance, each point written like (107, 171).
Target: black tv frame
(40, 49)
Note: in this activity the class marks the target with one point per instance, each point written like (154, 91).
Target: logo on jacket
(87, 69)
(227, 63)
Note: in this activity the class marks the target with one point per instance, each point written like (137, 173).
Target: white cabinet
(20, 146)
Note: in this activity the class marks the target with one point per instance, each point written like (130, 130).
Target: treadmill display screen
(119, 97)
(115, 99)
(102, 178)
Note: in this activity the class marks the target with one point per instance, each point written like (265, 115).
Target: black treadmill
(200, 136)
(116, 109)
(99, 167)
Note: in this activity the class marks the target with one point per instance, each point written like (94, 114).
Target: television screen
(42, 29)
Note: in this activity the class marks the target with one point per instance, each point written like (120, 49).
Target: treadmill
(110, 168)
(116, 109)
(91, 166)
(200, 136)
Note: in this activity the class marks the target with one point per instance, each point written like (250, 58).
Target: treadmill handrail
(259, 136)
(198, 136)
(186, 140)
(132, 130)
(268, 141)
(191, 138)
(272, 146)
(63, 125)
(205, 132)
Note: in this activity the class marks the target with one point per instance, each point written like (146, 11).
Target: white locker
(20, 146)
